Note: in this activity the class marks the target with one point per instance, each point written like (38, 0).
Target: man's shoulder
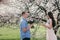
(22, 20)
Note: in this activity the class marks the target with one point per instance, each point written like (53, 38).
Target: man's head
(25, 14)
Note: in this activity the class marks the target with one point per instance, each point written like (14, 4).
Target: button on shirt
(24, 24)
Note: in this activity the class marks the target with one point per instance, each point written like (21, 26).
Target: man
(24, 27)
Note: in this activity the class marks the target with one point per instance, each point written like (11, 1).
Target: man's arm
(25, 26)
(28, 28)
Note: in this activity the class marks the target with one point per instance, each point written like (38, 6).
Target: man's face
(26, 15)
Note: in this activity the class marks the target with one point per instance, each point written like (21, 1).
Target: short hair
(23, 13)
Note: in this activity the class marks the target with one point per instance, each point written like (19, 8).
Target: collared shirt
(24, 24)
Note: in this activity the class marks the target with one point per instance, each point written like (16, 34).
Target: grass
(9, 34)
(39, 33)
(13, 33)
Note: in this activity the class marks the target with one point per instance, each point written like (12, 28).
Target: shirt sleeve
(23, 24)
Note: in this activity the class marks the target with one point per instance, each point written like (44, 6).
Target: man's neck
(23, 17)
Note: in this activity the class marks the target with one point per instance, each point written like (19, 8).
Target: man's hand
(24, 29)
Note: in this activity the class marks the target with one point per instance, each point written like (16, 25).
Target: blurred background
(10, 14)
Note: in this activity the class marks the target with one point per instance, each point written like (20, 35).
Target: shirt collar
(24, 18)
